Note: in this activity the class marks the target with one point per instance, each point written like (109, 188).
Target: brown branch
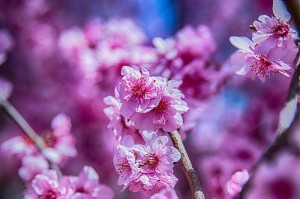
(27, 129)
(185, 162)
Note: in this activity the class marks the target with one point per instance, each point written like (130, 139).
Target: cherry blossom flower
(199, 45)
(59, 142)
(19, 145)
(5, 89)
(247, 61)
(238, 179)
(31, 166)
(86, 185)
(146, 167)
(137, 91)
(165, 194)
(6, 43)
(285, 184)
(120, 125)
(47, 185)
(274, 35)
(167, 112)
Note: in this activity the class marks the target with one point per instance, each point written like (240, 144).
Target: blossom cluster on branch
(93, 90)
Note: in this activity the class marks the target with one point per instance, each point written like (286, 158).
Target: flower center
(123, 167)
(81, 190)
(139, 88)
(49, 195)
(261, 66)
(152, 161)
(160, 107)
(50, 139)
(281, 29)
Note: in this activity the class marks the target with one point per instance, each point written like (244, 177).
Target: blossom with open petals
(137, 91)
(251, 63)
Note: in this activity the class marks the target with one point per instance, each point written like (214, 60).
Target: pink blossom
(19, 145)
(59, 142)
(87, 186)
(153, 182)
(125, 161)
(146, 167)
(6, 43)
(276, 38)
(174, 54)
(47, 185)
(165, 194)
(247, 61)
(120, 125)
(5, 89)
(31, 166)
(238, 179)
(137, 91)
(166, 114)
(200, 43)
(278, 179)
(158, 156)
(120, 33)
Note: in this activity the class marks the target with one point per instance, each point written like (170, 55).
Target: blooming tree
(114, 105)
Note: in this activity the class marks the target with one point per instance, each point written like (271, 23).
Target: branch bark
(186, 164)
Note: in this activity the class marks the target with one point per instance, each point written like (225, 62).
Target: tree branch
(185, 163)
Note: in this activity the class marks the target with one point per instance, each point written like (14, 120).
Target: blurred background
(52, 72)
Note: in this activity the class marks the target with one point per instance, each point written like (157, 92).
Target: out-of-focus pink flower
(31, 166)
(165, 194)
(174, 54)
(137, 91)
(6, 43)
(166, 114)
(238, 179)
(247, 61)
(47, 185)
(87, 186)
(120, 33)
(19, 145)
(278, 179)
(199, 45)
(5, 89)
(146, 167)
(60, 143)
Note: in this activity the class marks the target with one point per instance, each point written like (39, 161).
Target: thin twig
(27, 129)
(185, 162)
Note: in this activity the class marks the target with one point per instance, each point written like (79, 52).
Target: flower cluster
(149, 102)
(273, 47)
(86, 185)
(146, 167)
(143, 105)
(59, 146)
